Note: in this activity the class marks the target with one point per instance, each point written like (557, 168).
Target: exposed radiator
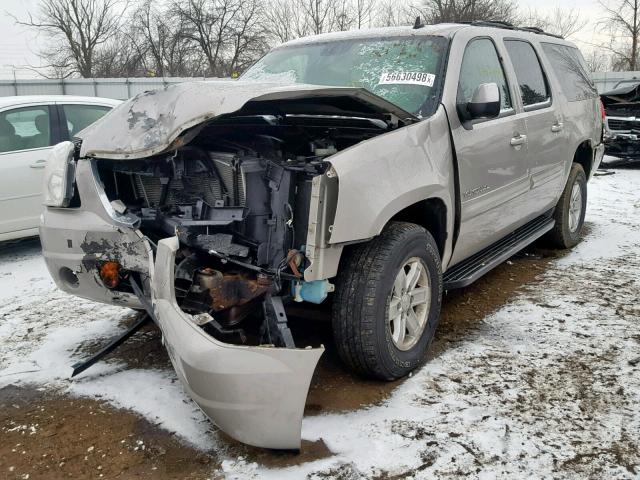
(187, 190)
(234, 182)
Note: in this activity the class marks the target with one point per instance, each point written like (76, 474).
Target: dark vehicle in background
(622, 123)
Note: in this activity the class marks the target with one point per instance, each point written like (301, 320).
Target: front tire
(570, 210)
(387, 302)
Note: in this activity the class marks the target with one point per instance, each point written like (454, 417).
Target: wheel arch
(431, 214)
(584, 156)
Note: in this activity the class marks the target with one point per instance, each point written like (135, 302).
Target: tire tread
(354, 306)
(559, 236)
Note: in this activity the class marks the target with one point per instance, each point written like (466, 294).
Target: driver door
(491, 153)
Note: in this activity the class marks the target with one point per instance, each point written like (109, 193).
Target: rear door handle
(39, 164)
(557, 127)
(518, 140)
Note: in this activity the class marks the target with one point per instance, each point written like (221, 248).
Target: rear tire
(387, 302)
(570, 210)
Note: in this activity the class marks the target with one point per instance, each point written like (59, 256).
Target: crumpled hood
(150, 123)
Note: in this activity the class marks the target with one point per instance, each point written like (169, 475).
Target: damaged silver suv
(374, 169)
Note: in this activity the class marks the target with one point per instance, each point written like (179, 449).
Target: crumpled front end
(254, 394)
(238, 194)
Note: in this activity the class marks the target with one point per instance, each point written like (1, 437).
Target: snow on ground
(545, 387)
(42, 328)
(22, 271)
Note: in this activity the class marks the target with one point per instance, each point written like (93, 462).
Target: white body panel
(21, 171)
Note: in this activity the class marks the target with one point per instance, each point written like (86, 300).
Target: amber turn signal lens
(110, 274)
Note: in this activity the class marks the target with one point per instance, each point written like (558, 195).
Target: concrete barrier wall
(118, 88)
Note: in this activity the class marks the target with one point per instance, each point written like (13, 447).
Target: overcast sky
(18, 45)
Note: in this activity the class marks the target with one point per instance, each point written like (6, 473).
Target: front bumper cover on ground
(254, 394)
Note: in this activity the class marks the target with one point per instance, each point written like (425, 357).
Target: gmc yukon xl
(376, 168)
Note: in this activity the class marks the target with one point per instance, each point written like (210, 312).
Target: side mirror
(485, 103)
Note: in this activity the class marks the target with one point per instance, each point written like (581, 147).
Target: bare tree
(159, 36)
(343, 16)
(622, 23)
(560, 21)
(119, 58)
(207, 24)
(364, 13)
(247, 36)
(318, 15)
(597, 61)
(283, 21)
(456, 11)
(391, 13)
(77, 30)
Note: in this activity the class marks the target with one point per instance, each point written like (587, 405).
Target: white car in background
(29, 127)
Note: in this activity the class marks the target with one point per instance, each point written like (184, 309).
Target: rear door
(546, 133)
(26, 136)
(579, 98)
(492, 154)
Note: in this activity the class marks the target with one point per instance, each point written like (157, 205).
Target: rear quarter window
(571, 71)
(531, 79)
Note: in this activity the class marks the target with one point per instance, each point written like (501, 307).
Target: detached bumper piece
(254, 394)
(80, 367)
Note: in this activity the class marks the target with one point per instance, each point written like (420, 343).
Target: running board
(474, 267)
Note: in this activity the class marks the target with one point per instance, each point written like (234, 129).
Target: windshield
(403, 70)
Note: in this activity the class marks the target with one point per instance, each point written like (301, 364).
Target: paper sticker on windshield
(407, 78)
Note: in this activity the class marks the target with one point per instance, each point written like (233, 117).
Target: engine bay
(237, 195)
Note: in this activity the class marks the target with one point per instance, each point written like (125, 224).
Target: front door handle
(518, 140)
(557, 127)
(39, 164)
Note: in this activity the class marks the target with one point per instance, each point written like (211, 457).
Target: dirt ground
(51, 435)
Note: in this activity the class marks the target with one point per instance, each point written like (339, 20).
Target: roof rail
(540, 31)
(510, 26)
(493, 23)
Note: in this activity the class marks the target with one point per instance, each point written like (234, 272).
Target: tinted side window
(481, 64)
(569, 67)
(24, 128)
(81, 116)
(533, 85)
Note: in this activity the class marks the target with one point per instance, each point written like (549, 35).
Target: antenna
(418, 23)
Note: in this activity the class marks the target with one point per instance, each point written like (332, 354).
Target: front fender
(382, 176)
